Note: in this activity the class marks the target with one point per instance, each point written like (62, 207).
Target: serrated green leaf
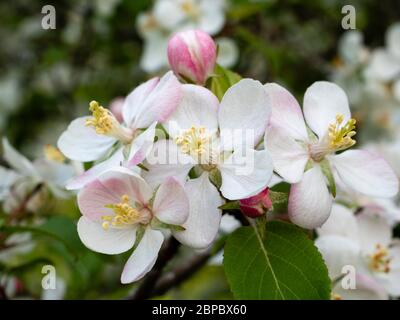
(285, 265)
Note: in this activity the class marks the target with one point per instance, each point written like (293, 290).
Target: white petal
(286, 112)
(161, 102)
(338, 252)
(245, 175)
(289, 157)
(80, 181)
(171, 203)
(166, 160)
(393, 39)
(212, 18)
(141, 146)
(228, 52)
(204, 217)
(323, 101)
(109, 188)
(367, 288)
(310, 202)
(7, 179)
(169, 14)
(198, 107)
(154, 56)
(245, 107)
(144, 257)
(81, 143)
(111, 241)
(366, 172)
(17, 161)
(383, 66)
(135, 99)
(341, 222)
(373, 230)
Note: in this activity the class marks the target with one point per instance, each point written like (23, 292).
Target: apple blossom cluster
(167, 159)
(168, 17)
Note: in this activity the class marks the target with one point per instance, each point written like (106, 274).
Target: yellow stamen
(125, 214)
(380, 260)
(340, 137)
(335, 296)
(51, 153)
(102, 120)
(194, 141)
(191, 9)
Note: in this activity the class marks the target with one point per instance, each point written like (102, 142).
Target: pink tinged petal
(245, 107)
(257, 205)
(341, 222)
(366, 172)
(160, 103)
(17, 161)
(286, 112)
(288, 156)
(198, 107)
(202, 225)
(367, 288)
(310, 202)
(111, 241)
(136, 98)
(81, 143)
(171, 203)
(338, 252)
(142, 146)
(166, 160)
(373, 230)
(108, 188)
(88, 176)
(323, 101)
(144, 257)
(245, 175)
(116, 106)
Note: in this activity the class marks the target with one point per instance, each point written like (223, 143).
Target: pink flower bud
(256, 206)
(192, 55)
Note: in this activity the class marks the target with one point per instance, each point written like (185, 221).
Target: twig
(146, 288)
(181, 274)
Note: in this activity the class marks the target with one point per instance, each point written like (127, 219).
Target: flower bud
(116, 108)
(256, 206)
(192, 55)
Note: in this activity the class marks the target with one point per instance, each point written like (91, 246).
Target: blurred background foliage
(48, 77)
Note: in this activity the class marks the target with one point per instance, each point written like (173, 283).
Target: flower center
(51, 153)
(104, 122)
(190, 8)
(339, 137)
(380, 260)
(125, 215)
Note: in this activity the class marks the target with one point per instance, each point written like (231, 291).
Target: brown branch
(146, 288)
(181, 274)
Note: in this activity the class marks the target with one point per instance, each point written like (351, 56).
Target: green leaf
(285, 265)
(222, 80)
(278, 197)
(232, 205)
(327, 171)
